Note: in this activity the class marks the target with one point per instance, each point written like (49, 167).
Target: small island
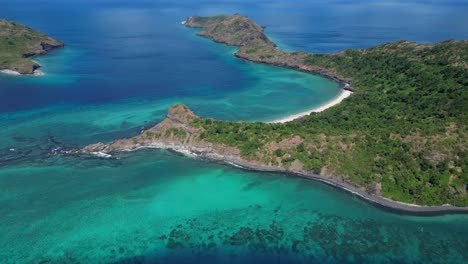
(399, 141)
(18, 44)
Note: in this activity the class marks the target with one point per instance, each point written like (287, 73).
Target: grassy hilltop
(18, 43)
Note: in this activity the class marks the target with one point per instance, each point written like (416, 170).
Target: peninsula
(19, 43)
(399, 141)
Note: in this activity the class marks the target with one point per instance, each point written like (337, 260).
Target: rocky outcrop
(43, 48)
(176, 132)
(255, 46)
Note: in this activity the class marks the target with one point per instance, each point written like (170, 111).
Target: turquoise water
(156, 205)
(123, 66)
(270, 93)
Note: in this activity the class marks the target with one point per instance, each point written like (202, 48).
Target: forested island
(401, 136)
(19, 43)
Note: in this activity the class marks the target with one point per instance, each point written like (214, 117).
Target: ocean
(123, 65)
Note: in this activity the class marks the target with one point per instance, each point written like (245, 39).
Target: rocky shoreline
(28, 43)
(32, 70)
(209, 155)
(269, 55)
(322, 72)
(179, 118)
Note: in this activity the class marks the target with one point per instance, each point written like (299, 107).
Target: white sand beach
(343, 95)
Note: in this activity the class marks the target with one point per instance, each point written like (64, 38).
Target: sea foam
(10, 72)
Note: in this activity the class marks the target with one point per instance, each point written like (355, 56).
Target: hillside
(402, 135)
(18, 43)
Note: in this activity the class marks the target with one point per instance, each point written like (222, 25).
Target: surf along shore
(184, 132)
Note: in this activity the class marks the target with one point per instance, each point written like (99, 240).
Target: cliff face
(18, 43)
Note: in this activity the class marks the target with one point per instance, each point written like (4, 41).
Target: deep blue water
(113, 45)
(123, 65)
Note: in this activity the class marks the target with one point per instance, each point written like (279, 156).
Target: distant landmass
(400, 140)
(18, 43)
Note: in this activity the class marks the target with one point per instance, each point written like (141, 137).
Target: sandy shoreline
(343, 95)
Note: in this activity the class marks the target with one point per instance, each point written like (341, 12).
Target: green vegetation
(176, 132)
(402, 135)
(205, 21)
(406, 130)
(233, 30)
(152, 135)
(18, 42)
